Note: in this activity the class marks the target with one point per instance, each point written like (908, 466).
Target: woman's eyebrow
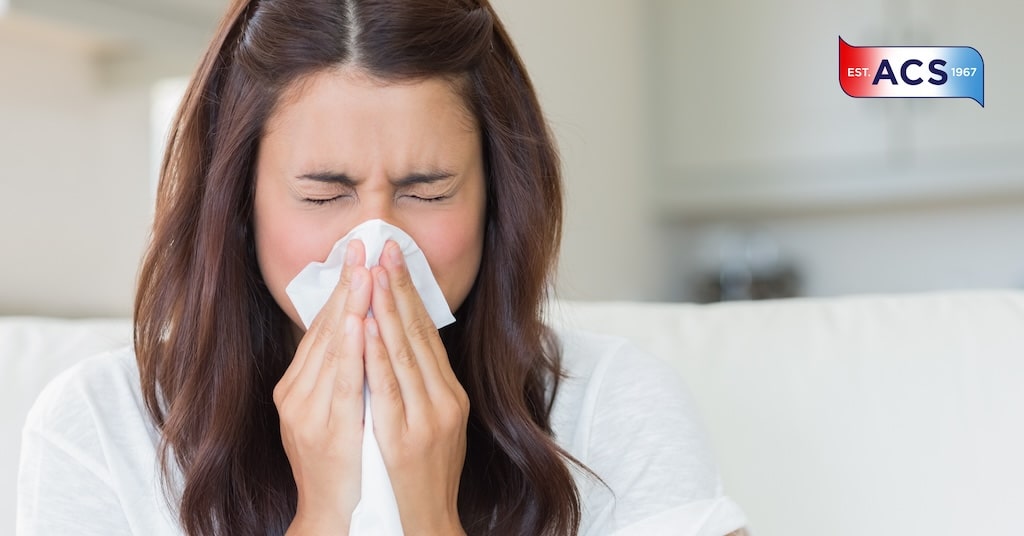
(422, 178)
(408, 180)
(330, 177)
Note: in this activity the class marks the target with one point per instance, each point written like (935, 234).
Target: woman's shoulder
(627, 416)
(585, 353)
(97, 388)
(89, 431)
(614, 367)
(611, 388)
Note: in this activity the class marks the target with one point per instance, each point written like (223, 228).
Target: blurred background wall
(709, 152)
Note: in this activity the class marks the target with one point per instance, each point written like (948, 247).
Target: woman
(306, 118)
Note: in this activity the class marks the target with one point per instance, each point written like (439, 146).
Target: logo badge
(912, 72)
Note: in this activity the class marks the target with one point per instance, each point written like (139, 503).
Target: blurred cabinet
(750, 117)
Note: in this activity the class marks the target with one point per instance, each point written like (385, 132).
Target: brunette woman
(306, 118)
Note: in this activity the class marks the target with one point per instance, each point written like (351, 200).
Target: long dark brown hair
(211, 342)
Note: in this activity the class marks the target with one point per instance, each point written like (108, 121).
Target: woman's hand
(320, 402)
(419, 408)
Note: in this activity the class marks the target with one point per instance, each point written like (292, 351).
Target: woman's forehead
(350, 88)
(341, 120)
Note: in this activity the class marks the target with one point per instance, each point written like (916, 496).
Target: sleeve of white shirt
(646, 443)
(63, 486)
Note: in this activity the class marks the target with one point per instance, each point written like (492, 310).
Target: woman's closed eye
(434, 192)
(419, 198)
(325, 200)
(428, 198)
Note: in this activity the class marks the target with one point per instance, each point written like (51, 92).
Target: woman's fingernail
(357, 279)
(394, 253)
(350, 254)
(382, 279)
(371, 328)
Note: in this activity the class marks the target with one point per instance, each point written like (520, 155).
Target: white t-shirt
(89, 450)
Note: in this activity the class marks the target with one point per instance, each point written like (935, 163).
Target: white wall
(592, 64)
(74, 192)
(587, 60)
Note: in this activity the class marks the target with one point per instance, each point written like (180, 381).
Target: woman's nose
(376, 205)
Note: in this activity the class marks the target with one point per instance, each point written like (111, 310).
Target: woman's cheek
(453, 250)
(284, 251)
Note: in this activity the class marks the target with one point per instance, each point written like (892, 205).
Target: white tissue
(377, 511)
(311, 288)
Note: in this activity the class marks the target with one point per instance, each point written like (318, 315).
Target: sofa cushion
(880, 415)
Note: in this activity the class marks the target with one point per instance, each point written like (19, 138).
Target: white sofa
(858, 416)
